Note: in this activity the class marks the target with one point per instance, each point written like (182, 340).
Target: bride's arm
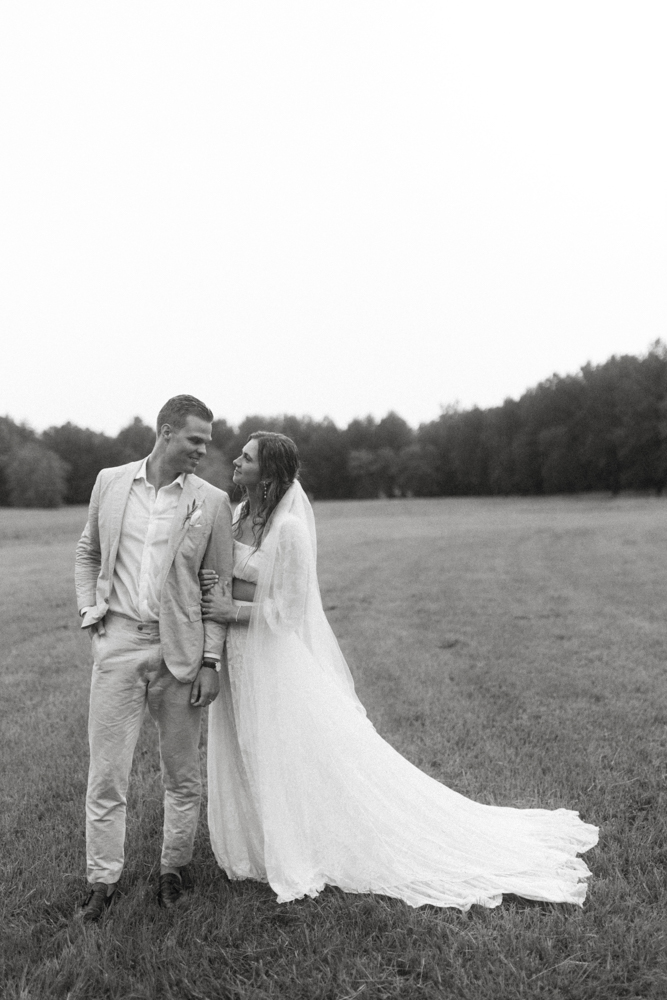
(284, 595)
(243, 590)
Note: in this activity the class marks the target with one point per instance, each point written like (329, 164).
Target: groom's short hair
(177, 410)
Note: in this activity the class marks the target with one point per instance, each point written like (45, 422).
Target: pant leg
(179, 726)
(122, 664)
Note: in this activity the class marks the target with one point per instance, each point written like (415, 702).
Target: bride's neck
(253, 503)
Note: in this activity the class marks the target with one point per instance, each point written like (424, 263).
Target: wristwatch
(212, 665)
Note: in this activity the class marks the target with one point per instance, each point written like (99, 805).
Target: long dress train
(303, 792)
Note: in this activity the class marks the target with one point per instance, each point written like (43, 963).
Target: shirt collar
(141, 474)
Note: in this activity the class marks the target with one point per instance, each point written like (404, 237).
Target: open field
(513, 648)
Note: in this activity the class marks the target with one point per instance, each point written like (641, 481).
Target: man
(151, 526)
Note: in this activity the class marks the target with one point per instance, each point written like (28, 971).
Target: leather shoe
(96, 902)
(173, 886)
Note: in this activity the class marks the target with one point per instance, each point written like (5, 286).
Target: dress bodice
(247, 561)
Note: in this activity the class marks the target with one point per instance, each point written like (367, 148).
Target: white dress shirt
(142, 549)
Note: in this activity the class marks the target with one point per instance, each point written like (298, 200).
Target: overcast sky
(328, 207)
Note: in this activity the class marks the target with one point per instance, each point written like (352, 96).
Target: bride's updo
(278, 466)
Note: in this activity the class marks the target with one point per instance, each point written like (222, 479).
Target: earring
(266, 491)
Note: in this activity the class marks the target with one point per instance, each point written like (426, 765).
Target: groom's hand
(217, 604)
(205, 688)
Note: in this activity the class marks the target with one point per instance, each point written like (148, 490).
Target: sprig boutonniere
(192, 510)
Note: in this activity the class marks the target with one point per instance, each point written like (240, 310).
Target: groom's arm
(88, 554)
(219, 557)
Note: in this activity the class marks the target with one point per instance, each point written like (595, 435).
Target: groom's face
(186, 445)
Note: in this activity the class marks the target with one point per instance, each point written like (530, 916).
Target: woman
(303, 792)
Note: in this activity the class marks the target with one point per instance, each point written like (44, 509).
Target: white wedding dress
(304, 793)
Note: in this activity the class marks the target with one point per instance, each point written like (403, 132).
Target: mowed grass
(514, 649)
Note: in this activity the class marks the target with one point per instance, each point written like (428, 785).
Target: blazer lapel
(180, 523)
(119, 499)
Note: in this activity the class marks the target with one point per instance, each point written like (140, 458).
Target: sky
(332, 208)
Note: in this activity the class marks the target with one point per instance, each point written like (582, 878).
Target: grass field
(512, 648)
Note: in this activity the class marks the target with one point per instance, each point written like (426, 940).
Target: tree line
(604, 428)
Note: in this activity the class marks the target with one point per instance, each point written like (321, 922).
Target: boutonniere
(193, 514)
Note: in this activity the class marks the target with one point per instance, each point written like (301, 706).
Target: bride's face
(246, 466)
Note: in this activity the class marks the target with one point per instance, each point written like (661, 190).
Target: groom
(151, 526)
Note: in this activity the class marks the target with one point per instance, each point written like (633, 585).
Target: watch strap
(212, 665)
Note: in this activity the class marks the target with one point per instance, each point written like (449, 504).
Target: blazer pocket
(193, 538)
(194, 613)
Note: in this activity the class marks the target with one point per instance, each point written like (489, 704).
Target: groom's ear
(166, 431)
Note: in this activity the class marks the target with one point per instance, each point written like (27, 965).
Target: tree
(12, 437)
(324, 470)
(135, 441)
(360, 434)
(374, 473)
(459, 440)
(642, 434)
(417, 472)
(223, 437)
(216, 469)
(434, 439)
(393, 432)
(36, 477)
(85, 452)
(502, 426)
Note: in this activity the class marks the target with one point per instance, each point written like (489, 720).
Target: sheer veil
(288, 601)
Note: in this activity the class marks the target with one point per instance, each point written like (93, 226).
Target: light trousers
(129, 675)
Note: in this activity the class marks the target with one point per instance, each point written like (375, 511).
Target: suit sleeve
(88, 554)
(219, 557)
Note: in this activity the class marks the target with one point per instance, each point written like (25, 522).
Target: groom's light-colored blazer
(201, 536)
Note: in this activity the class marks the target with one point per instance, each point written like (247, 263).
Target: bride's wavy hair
(278, 466)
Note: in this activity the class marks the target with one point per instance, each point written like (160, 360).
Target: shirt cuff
(211, 656)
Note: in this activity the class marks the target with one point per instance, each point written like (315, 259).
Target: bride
(303, 792)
